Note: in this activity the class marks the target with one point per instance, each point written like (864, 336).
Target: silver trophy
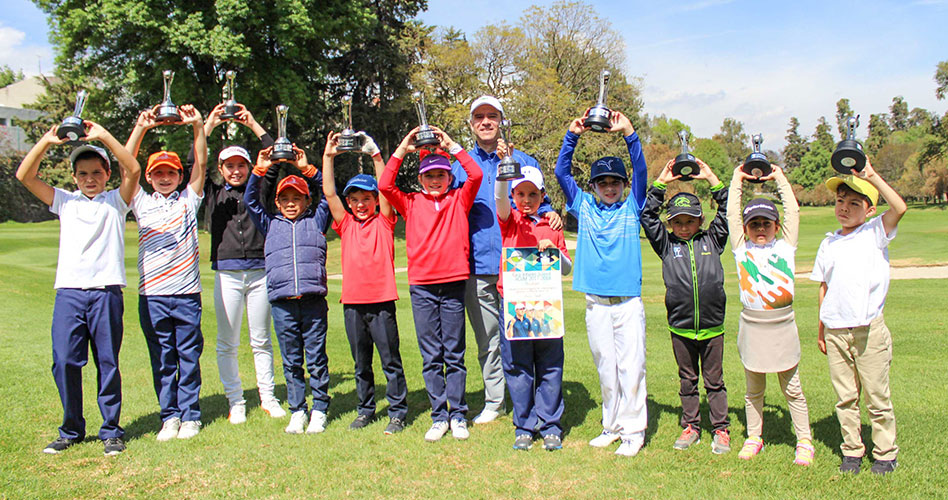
(757, 165)
(685, 163)
(282, 147)
(508, 168)
(72, 127)
(230, 104)
(425, 135)
(599, 115)
(348, 140)
(167, 111)
(849, 155)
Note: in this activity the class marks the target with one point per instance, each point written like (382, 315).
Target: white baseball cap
(232, 151)
(86, 148)
(488, 100)
(530, 174)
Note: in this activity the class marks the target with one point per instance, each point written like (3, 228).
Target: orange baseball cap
(293, 182)
(166, 158)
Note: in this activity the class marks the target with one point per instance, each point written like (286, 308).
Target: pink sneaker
(751, 448)
(804, 454)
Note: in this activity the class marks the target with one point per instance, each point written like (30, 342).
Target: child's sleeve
(819, 264)
(639, 171)
(791, 212)
(566, 263)
(255, 208)
(734, 218)
(474, 178)
(718, 227)
(59, 196)
(564, 170)
(387, 187)
(651, 222)
(459, 175)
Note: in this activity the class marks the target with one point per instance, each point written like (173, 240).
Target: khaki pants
(859, 360)
(796, 402)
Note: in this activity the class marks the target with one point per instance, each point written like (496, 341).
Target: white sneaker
(436, 432)
(189, 429)
(631, 444)
(317, 422)
(297, 422)
(169, 429)
(238, 414)
(273, 408)
(459, 429)
(604, 439)
(486, 416)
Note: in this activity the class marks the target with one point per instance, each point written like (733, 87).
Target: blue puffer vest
(295, 254)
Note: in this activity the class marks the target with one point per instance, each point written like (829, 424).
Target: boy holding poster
(534, 365)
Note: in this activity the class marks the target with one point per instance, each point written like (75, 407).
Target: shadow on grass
(827, 431)
(578, 403)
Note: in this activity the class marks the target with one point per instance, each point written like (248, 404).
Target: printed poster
(533, 293)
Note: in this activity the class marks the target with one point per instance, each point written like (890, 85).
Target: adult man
(481, 298)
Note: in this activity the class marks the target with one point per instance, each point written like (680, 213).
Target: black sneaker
(552, 442)
(851, 464)
(883, 467)
(60, 444)
(395, 425)
(523, 442)
(360, 422)
(113, 446)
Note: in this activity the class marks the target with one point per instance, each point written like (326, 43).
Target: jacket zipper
(296, 279)
(694, 282)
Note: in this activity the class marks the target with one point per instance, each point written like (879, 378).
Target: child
(296, 284)
(169, 285)
(533, 368)
(852, 266)
(767, 338)
(90, 274)
(609, 272)
(240, 277)
(368, 285)
(694, 299)
(437, 246)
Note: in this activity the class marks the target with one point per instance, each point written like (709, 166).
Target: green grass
(259, 460)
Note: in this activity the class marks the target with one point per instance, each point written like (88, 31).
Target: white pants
(233, 291)
(617, 340)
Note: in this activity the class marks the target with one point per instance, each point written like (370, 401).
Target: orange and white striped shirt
(168, 257)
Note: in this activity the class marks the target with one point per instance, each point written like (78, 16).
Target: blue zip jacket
(295, 250)
(482, 220)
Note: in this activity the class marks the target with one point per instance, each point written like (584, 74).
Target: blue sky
(703, 60)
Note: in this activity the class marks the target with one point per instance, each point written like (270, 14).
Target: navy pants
(300, 326)
(438, 310)
(534, 373)
(81, 316)
(368, 324)
(172, 327)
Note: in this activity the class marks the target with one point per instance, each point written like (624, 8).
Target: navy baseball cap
(761, 207)
(684, 203)
(608, 165)
(364, 182)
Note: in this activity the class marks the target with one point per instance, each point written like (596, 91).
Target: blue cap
(608, 165)
(362, 181)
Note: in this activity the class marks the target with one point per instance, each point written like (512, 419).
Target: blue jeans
(300, 326)
(172, 327)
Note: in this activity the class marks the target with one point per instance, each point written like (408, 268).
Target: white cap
(520, 305)
(232, 151)
(530, 174)
(86, 148)
(488, 100)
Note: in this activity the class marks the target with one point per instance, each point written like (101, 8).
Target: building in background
(13, 99)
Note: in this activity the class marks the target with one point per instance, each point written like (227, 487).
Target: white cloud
(27, 57)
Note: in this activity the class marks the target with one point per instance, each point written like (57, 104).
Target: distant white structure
(13, 98)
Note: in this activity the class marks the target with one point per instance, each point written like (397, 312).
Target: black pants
(710, 353)
(368, 324)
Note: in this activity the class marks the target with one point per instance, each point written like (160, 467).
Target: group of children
(281, 254)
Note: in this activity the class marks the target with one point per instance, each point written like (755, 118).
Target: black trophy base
(349, 142)
(757, 168)
(848, 157)
(230, 111)
(686, 166)
(167, 114)
(426, 138)
(71, 131)
(282, 152)
(508, 170)
(598, 119)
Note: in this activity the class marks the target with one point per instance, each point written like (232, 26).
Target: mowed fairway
(259, 460)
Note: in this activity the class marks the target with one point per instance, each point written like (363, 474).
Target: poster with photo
(533, 294)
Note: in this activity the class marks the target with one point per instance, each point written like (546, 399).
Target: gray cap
(86, 148)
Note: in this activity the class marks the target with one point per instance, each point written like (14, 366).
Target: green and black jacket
(694, 279)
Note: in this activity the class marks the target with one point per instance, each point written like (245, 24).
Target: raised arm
(897, 206)
(130, 170)
(370, 148)
(651, 221)
(336, 207)
(145, 122)
(474, 173)
(255, 208)
(564, 162)
(791, 209)
(387, 186)
(27, 172)
(502, 200)
(621, 123)
(735, 194)
(191, 116)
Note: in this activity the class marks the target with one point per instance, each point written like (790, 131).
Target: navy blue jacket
(295, 250)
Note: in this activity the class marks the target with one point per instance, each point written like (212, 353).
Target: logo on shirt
(676, 251)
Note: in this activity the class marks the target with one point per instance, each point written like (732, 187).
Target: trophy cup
(685, 164)
(425, 135)
(508, 168)
(167, 111)
(849, 155)
(348, 140)
(757, 164)
(72, 127)
(598, 119)
(282, 147)
(230, 105)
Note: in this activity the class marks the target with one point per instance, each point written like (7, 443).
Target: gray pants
(483, 305)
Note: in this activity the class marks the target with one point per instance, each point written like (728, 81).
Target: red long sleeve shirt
(437, 238)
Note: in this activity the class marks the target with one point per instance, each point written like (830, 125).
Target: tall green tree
(664, 130)
(941, 80)
(735, 141)
(843, 112)
(796, 145)
(879, 132)
(8, 76)
(898, 114)
(822, 135)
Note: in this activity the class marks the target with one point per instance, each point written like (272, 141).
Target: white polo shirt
(168, 260)
(855, 268)
(91, 239)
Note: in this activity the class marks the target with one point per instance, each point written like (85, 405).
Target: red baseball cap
(293, 182)
(168, 158)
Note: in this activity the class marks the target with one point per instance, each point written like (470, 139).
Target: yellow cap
(856, 184)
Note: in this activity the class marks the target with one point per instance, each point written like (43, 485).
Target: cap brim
(694, 212)
(163, 163)
(766, 214)
(360, 186)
